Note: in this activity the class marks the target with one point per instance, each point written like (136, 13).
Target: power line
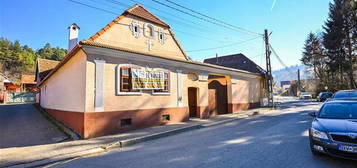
(93, 7)
(188, 24)
(182, 32)
(224, 46)
(173, 20)
(201, 18)
(277, 56)
(217, 20)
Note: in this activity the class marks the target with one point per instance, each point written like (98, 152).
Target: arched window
(162, 36)
(135, 28)
(149, 30)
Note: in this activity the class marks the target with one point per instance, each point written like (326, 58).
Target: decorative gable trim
(129, 12)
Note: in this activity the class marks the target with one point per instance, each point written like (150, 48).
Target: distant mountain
(290, 73)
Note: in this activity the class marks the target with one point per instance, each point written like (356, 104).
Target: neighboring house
(237, 61)
(28, 83)
(43, 68)
(134, 74)
(2, 81)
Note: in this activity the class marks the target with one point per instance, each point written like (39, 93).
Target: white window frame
(134, 24)
(118, 82)
(147, 27)
(161, 32)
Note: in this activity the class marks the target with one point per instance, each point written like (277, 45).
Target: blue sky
(37, 22)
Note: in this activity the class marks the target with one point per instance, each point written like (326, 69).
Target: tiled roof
(45, 66)
(28, 79)
(236, 61)
(141, 12)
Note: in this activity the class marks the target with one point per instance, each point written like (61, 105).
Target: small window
(135, 29)
(125, 80)
(125, 122)
(149, 30)
(165, 117)
(162, 36)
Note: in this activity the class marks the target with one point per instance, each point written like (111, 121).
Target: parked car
(333, 130)
(345, 94)
(323, 96)
(305, 95)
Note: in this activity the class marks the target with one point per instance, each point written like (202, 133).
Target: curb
(125, 143)
(71, 134)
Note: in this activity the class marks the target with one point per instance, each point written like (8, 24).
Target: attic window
(162, 36)
(135, 28)
(149, 30)
(74, 28)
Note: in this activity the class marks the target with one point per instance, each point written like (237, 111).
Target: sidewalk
(44, 154)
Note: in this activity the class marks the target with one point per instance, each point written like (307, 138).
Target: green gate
(21, 97)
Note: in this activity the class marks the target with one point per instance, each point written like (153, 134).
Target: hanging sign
(147, 80)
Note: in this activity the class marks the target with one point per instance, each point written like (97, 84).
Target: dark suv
(334, 129)
(323, 96)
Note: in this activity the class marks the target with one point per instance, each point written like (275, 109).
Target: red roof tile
(141, 12)
(28, 79)
(45, 66)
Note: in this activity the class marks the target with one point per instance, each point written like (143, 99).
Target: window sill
(129, 94)
(161, 93)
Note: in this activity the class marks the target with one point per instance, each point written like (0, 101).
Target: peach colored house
(133, 73)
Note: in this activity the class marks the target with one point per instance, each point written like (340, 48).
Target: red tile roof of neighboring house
(44, 67)
(28, 79)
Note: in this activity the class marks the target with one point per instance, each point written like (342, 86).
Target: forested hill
(291, 73)
(17, 59)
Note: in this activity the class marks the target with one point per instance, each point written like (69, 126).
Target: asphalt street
(278, 139)
(24, 125)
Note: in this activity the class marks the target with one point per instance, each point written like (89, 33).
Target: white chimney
(73, 31)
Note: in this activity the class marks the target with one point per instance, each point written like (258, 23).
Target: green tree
(314, 56)
(47, 52)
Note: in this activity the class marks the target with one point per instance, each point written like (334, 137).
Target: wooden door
(217, 98)
(212, 102)
(192, 102)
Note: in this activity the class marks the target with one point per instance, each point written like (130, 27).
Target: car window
(340, 95)
(339, 111)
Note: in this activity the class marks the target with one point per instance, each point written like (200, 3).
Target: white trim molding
(135, 28)
(179, 88)
(118, 78)
(99, 85)
(149, 30)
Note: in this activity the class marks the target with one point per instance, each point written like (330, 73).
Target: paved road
(23, 125)
(274, 140)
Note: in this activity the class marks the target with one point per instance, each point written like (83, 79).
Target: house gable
(140, 31)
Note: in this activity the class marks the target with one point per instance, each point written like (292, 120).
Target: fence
(20, 97)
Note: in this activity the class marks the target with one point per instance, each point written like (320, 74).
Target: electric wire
(217, 20)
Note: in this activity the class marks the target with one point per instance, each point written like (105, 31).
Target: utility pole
(299, 82)
(268, 76)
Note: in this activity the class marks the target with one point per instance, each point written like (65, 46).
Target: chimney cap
(74, 25)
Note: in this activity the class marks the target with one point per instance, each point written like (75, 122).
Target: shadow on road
(273, 140)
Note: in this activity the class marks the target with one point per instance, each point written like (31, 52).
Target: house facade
(133, 73)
